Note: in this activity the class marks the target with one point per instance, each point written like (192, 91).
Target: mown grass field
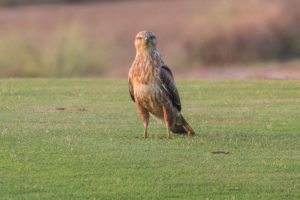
(93, 149)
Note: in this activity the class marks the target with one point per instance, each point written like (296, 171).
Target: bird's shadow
(162, 137)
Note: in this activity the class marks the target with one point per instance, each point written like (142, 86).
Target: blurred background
(198, 38)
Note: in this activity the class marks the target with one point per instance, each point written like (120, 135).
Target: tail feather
(182, 126)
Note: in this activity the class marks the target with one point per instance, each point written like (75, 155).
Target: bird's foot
(144, 136)
(190, 133)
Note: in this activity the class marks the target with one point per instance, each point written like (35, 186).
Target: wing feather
(169, 86)
(131, 89)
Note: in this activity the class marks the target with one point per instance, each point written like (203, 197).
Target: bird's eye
(139, 38)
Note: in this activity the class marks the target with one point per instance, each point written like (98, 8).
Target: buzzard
(152, 87)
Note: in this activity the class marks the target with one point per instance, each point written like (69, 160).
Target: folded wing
(169, 86)
(131, 89)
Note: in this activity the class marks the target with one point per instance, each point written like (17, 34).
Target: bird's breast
(145, 90)
(146, 83)
(149, 96)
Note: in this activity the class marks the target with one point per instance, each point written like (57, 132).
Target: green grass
(98, 153)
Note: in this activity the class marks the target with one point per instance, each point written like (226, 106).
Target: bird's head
(145, 41)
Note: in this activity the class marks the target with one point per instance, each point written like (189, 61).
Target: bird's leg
(166, 121)
(145, 128)
(145, 118)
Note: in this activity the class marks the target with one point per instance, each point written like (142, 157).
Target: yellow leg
(145, 118)
(166, 122)
(168, 133)
(145, 132)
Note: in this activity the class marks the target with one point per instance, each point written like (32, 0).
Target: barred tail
(182, 126)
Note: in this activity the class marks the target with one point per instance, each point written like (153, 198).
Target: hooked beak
(147, 40)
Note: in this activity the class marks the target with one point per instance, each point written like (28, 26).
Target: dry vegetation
(24, 2)
(88, 39)
(261, 33)
(65, 53)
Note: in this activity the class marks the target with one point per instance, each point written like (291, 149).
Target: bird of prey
(152, 87)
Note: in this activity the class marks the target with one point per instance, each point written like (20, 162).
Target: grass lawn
(93, 148)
